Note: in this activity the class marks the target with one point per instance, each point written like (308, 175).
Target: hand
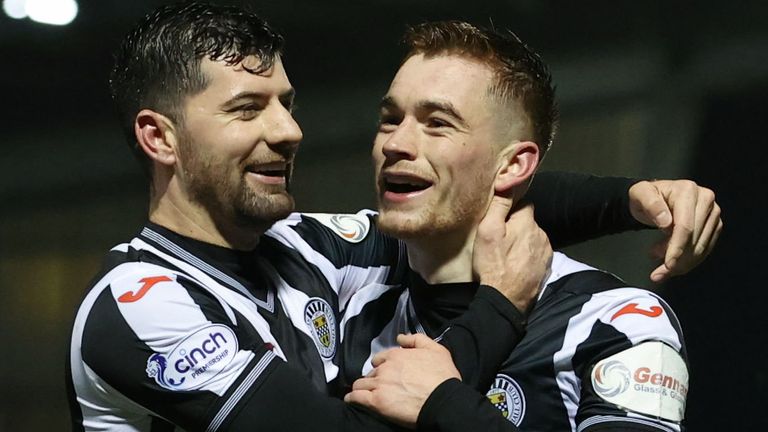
(511, 252)
(403, 378)
(689, 216)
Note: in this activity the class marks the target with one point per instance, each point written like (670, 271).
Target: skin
(689, 216)
(473, 168)
(222, 173)
(435, 132)
(443, 222)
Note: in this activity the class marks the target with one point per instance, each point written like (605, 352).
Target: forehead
(452, 78)
(226, 81)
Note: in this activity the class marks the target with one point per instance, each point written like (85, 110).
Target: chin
(263, 212)
(404, 227)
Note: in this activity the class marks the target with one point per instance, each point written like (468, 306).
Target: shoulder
(340, 239)
(350, 227)
(624, 341)
(136, 286)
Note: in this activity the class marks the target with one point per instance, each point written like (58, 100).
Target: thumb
(499, 208)
(416, 340)
(648, 206)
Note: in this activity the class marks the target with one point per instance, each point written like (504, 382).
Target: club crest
(507, 396)
(321, 322)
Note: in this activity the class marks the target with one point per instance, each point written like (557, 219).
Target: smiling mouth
(405, 184)
(274, 173)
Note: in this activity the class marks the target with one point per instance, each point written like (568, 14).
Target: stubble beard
(430, 221)
(228, 197)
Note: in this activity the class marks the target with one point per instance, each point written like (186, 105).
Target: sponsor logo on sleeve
(650, 378)
(321, 321)
(508, 397)
(352, 228)
(195, 360)
(611, 378)
(146, 284)
(633, 308)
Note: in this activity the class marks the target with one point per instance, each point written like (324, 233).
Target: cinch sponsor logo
(196, 355)
(195, 360)
(644, 375)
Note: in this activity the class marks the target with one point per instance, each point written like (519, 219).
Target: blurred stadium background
(652, 89)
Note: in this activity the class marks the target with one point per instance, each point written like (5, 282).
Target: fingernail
(663, 219)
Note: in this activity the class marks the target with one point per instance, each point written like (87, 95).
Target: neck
(172, 209)
(443, 258)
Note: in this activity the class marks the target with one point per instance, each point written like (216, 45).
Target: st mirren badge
(322, 324)
(508, 397)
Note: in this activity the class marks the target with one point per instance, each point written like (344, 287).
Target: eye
(388, 121)
(249, 112)
(436, 122)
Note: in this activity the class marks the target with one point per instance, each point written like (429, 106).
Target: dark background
(653, 88)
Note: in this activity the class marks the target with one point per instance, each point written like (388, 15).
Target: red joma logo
(633, 309)
(148, 282)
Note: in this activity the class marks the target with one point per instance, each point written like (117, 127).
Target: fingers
(704, 208)
(521, 221)
(524, 212)
(492, 224)
(499, 207)
(695, 226)
(360, 397)
(660, 274)
(382, 356)
(707, 231)
(715, 236)
(648, 206)
(416, 340)
(364, 383)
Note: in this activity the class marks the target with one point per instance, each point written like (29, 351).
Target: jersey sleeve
(572, 208)
(632, 365)
(483, 337)
(156, 346)
(454, 406)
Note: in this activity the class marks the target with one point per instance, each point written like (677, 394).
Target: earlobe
(156, 135)
(518, 164)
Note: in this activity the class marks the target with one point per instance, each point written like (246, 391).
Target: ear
(518, 163)
(156, 135)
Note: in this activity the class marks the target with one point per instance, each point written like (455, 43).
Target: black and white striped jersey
(597, 355)
(178, 331)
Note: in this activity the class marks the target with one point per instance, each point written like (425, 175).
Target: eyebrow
(249, 95)
(388, 102)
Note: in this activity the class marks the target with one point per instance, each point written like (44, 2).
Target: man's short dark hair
(158, 64)
(520, 74)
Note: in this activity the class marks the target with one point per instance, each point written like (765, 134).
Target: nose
(400, 143)
(282, 129)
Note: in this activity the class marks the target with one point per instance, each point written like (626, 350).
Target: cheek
(471, 173)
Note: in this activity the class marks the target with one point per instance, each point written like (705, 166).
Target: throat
(443, 260)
